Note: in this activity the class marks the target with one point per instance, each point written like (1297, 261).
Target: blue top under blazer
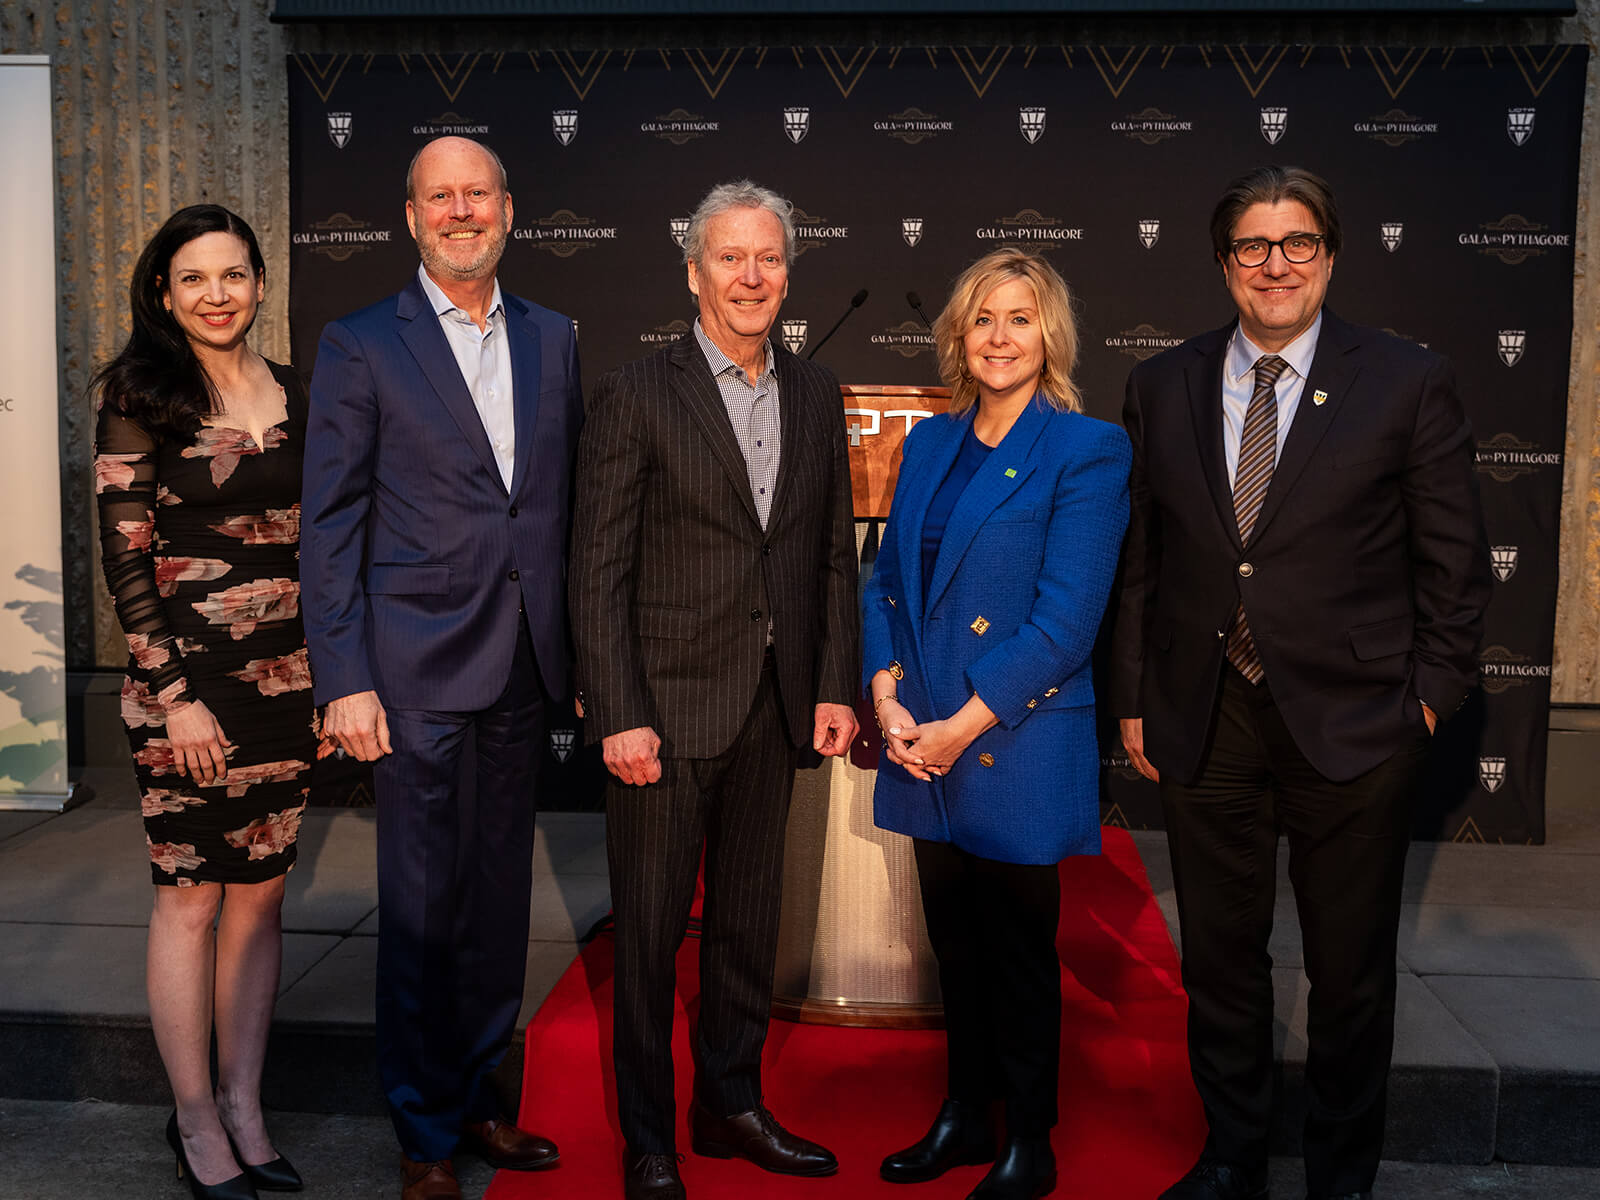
(1031, 548)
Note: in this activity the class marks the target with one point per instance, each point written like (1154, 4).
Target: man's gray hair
(741, 193)
(411, 171)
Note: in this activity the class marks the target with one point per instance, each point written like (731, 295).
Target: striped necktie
(1258, 452)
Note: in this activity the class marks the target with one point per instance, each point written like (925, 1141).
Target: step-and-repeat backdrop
(1456, 171)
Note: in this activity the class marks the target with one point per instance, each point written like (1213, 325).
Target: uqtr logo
(679, 227)
(1149, 232)
(1504, 561)
(339, 128)
(564, 124)
(1519, 125)
(1391, 232)
(797, 123)
(1273, 123)
(1030, 120)
(1511, 344)
(1492, 771)
(561, 743)
(794, 335)
(911, 230)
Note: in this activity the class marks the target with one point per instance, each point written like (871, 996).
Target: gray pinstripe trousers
(736, 807)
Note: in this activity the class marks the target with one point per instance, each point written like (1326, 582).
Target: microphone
(856, 302)
(916, 303)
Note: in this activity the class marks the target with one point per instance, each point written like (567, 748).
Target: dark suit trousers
(992, 926)
(455, 866)
(736, 806)
(1347, 850)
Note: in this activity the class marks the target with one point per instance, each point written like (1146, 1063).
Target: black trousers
(1347, 852)
(993, 929)
(736, 807)
(455, 865)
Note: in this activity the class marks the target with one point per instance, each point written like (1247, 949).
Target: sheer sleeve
(125, 487)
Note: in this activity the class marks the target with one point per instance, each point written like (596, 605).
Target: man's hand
(633, 755)
(357, 722)
(1133, 743)
(199, 747)
(834, 730)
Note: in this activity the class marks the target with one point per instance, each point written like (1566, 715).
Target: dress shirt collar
(443, 306)
(720, 362)
(1243, 353)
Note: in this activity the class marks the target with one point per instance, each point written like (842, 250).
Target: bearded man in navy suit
(1303, 587)
(444, 421)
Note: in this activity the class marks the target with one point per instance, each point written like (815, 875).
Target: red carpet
(1130, 1121)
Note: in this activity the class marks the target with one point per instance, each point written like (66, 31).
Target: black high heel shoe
(238, 1187)
(278, 1175)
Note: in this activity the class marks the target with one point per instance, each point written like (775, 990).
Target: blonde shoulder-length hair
(1056, 323)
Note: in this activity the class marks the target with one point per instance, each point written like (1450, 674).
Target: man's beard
(434, 258)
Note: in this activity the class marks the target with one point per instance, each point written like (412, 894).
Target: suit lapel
(940, 458)
(697, 391)
(790, 399)
(526, 356)
(1008, 465)
(419, 330)
(1333, 372)
(1203, 377)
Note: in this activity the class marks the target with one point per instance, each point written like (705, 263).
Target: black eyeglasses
(1297, 248)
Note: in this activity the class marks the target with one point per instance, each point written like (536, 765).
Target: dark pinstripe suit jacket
(672, 579)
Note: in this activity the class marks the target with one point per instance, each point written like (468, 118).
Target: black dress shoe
(652, 1177)
(1025, 1170)
(757, 1136)
(960, 1135)
(236, 1187)
(1212, 1180)
(278, 1175)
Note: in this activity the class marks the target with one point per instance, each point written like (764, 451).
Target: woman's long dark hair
(156, 378)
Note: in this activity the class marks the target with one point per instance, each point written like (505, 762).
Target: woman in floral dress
(197, 470)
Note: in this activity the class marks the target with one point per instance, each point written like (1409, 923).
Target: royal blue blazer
(1018, 590)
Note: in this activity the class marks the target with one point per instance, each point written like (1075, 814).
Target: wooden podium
(852, 946)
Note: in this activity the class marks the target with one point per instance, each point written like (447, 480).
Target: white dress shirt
(484, 358)
(1239, 381)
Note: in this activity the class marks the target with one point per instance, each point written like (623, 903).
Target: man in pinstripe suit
(713, 592)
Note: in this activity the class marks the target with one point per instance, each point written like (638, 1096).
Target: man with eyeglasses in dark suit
(1303, 587)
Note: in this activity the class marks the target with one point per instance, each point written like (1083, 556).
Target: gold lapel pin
(1319, 397)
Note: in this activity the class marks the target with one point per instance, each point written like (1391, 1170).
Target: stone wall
(164, 104)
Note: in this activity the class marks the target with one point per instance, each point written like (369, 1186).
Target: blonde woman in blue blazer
(996, 562)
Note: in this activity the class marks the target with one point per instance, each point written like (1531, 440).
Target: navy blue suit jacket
(1030, 548)
(414, 558)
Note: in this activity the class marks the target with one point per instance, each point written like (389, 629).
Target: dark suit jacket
(414, 559)
(1367, 571)
(673, 579)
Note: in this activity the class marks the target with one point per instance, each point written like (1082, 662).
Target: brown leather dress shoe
(757, 1136)
(651, 1177)
(429, 1180)
(506, 1148)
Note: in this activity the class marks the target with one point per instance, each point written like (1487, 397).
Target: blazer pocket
(1014, 516)
(668, 621)
(408, 579)
(1370, 451)
(1382, 638)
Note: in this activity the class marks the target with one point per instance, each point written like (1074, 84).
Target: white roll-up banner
(33, 702)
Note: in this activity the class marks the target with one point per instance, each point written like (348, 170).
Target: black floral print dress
(200, 545)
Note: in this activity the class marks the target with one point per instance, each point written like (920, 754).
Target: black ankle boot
(1025, 1170)
(961, 1134)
